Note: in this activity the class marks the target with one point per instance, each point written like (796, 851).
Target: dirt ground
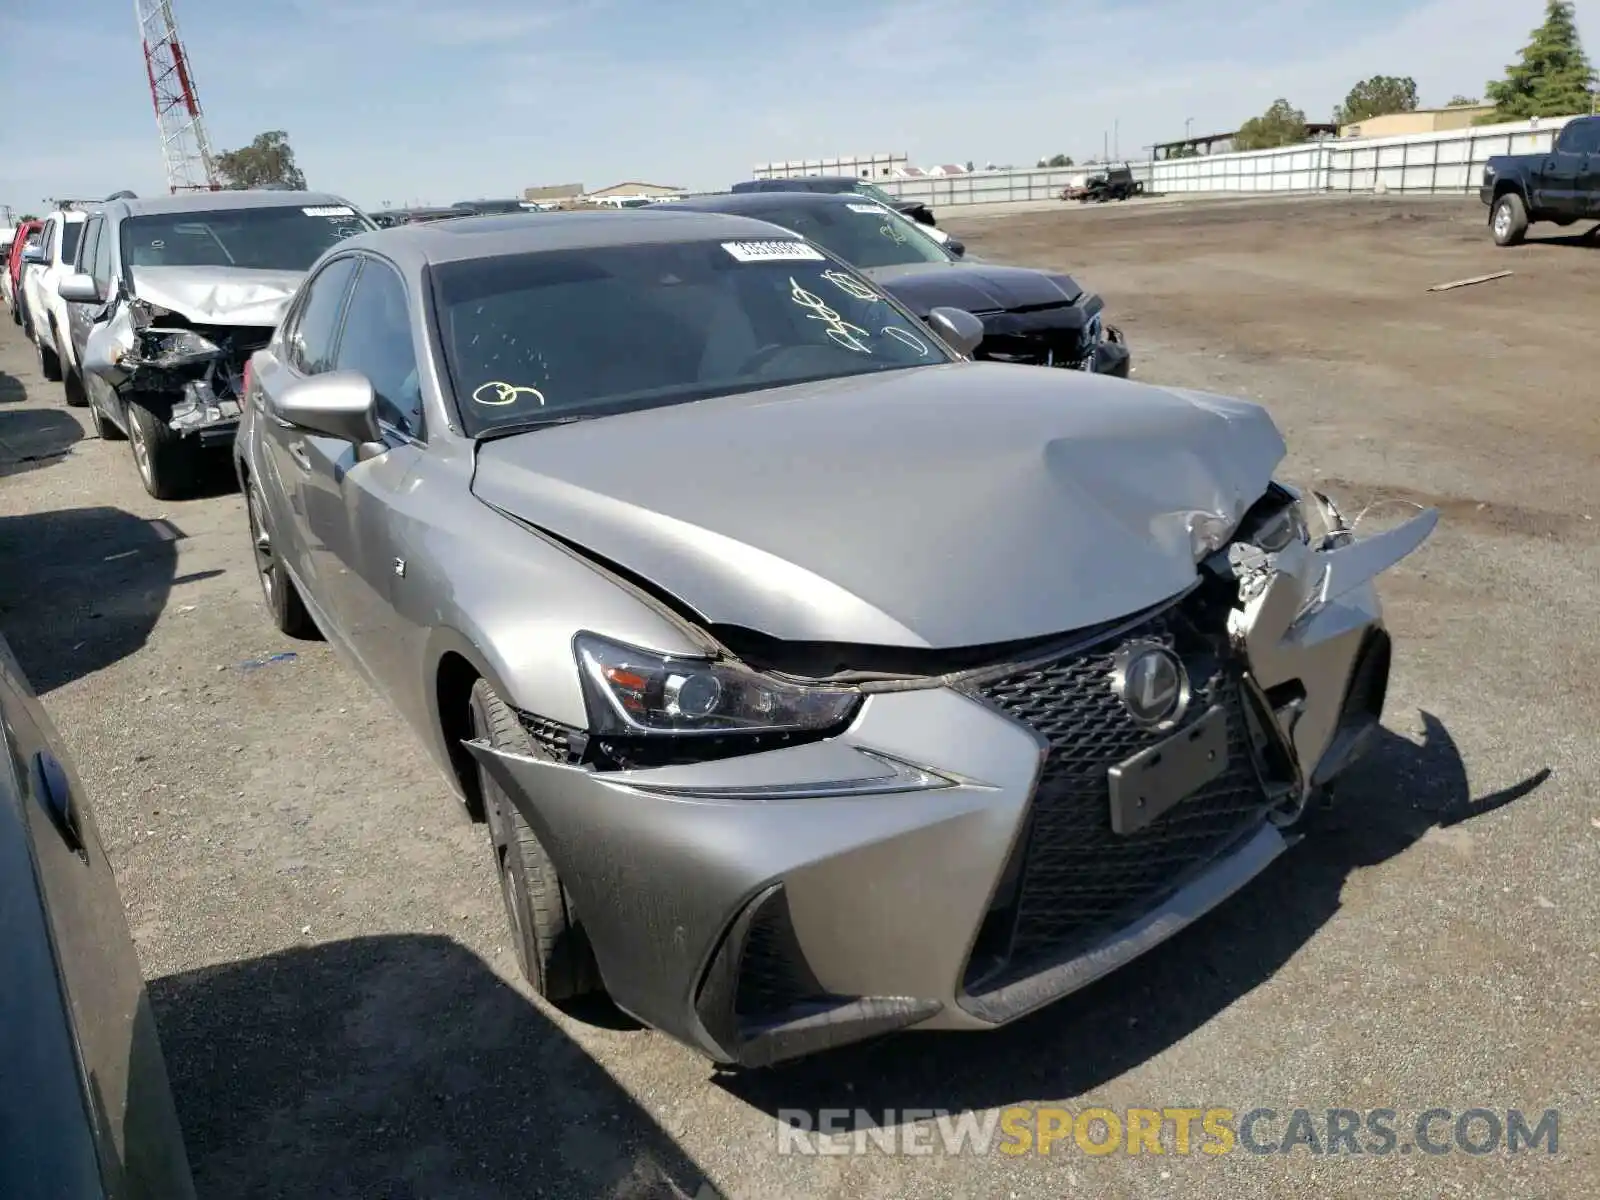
(324, 939)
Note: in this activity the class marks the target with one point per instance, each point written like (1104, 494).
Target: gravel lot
(324, 939)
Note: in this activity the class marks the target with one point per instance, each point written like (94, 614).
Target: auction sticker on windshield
(330, 210)
(874, 209)
(773, 251)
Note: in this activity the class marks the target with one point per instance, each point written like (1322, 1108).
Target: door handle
(297, 451)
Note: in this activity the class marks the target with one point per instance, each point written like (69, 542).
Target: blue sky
(411, 100)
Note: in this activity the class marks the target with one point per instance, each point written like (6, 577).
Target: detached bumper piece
(761, 1005)
(203, 414)
(1090, 868)
(1362, 712)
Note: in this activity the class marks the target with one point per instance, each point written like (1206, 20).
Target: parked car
(813, 680)
(47, 310)
(176, 294)
(28, 234)
(86, 1108)
(1561, 185)
(1040, 318)
(917, 210)
(1115, 183)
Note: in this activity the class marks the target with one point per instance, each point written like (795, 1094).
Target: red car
(25, 230)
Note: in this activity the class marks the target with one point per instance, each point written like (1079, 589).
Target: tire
(1508, 220)
(77, 395)
(284, 603)
(49, 362)
(104, 429)
(168, 465)
(551, 947)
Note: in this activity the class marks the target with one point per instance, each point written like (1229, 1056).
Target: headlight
(1275, 520)
(175, 347)
(636, 692)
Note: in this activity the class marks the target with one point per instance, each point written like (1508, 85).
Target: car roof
(464, 238)
(190, 202)
(738, 202)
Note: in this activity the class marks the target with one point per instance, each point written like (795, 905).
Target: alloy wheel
(141, 448)
(1502, 220)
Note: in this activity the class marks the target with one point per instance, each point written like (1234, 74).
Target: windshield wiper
(511, 428)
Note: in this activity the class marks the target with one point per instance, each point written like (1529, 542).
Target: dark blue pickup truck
(1561, 185)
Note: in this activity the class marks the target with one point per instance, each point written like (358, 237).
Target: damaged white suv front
(174, 295)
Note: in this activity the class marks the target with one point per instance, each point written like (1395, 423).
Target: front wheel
(168, 464)
(552, 949)
(289, 612)
(1509, 220)
(49, 362)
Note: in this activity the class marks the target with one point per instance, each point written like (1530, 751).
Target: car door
(286, 461)
(87, 1101)
(83, 318)
(350, 502)
(1557, 188)
(78, 314)
(1588, 198)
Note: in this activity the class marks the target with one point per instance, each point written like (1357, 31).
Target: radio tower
(184, 144)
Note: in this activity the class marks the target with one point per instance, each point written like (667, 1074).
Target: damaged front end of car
(1074, 336)
(190, 373)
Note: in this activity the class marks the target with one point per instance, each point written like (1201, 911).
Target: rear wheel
(168, 464)
(1509, 220)
(551, 947)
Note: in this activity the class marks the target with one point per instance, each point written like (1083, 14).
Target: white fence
(1422, 163)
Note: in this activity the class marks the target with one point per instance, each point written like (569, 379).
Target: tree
(1056, 160)
(1280, 125)
(1463, 102)
(1554, 78)
(269, 159)
(1377, 97)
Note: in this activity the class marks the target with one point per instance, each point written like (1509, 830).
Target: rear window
(70, 233)
(286, 238)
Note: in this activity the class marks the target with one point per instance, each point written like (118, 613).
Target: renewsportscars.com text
(1176, 1131)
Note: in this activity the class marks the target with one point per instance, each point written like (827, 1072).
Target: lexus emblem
(1151, 683)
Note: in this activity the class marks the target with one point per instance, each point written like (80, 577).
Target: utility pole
(1188, 128)
(1116, 137)
(1105, 146)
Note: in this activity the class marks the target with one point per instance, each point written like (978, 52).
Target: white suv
(47, 311)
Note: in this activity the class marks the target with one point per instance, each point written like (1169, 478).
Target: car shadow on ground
(1589, 239)
(1391, 799)
(81, 588)
(12, 390)
(397, 1066)
(31, 438)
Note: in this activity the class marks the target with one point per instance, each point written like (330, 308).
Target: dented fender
(1304, 613)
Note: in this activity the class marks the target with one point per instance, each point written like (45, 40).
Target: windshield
(281, 238)
(70, 233)
(587, 332)
(864, 234)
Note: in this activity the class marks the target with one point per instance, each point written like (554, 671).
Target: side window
(86, 245)
(377, 342)
(103, 266)
(316, 326)
(51, 236)
(1579, 137)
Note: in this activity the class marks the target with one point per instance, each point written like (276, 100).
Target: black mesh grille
(1080, 881)
(554, 738)
(773, 976)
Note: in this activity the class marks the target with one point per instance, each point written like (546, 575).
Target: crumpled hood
(976, 287)
(218, 295)
(946, 506)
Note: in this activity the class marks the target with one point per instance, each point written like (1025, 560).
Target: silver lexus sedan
(814, 681)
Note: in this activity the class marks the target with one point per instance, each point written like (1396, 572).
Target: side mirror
(959, 249)
(958, 327)
(79, 289)
(35, 256)
(340, 404)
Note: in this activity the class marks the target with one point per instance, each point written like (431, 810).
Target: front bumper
(949, 861)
